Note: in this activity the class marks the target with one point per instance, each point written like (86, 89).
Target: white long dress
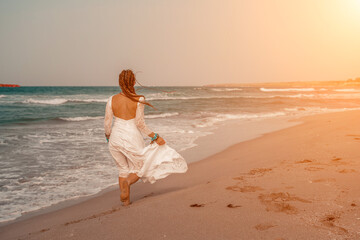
(127, 146)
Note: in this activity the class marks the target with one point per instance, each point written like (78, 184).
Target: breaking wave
(287, 89)
(58, 101)
(347, 90)
(162, 115)
(77, 119)
(225, 89)
(209, 121)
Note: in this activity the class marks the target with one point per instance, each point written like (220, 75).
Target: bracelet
(156, 136)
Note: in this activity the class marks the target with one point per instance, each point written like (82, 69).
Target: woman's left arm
(108, 118)
(140, 123)
(139, 119)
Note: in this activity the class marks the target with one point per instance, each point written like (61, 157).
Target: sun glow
(352, 7)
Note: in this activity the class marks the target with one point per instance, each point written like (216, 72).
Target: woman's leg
(124, 184)
(125, 179)
(121, 162)
(124, 190)
(132, 178)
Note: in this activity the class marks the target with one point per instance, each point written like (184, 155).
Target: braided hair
(127, 82)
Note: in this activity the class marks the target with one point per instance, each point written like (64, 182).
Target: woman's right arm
(108, 118)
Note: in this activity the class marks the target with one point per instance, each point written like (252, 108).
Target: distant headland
(9, 85)
(342, 83)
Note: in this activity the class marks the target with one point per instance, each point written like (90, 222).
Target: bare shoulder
(121, 97)
(116, 96)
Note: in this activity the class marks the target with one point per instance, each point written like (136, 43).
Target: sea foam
(162, 115)
(190, 97)
(225, 89)
(314, 110)
(77, 119)
(58, 101)
(55, 101)
(347, 90)
(209, 121)
(287, 89)
(85, 118)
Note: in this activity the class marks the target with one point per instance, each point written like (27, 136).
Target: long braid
(126, 82)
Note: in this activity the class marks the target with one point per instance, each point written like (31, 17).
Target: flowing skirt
(150, 163)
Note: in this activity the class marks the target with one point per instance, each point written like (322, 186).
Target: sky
(178, 42)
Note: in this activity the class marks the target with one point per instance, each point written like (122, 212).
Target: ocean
(52, 144)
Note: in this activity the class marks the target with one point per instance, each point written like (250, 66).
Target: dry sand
(302, 182)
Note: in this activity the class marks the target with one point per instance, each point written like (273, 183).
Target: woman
(126, 143)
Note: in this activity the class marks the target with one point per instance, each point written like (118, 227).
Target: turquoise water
(52, 144)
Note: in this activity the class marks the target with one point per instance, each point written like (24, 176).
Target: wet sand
(297, 183)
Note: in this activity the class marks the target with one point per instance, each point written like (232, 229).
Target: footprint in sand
(197, 205)
(233, 206)
(335, 159)
(323, 180)
(238, 178)
(313, 169)
(305, 161)
(148, 195)
(259, 171)
(338, 161)
(356, 137)
(98, 215)
(347, 171)
(236, 188)
(263, 227)
(353, 135)
(329, 221)
(39, 232)
(278, 202)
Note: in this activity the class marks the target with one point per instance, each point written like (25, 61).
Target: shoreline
(327, 83)
(198, 153)
(276, 168)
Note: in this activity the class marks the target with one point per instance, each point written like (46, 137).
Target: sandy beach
(301, 182)
(260, 98)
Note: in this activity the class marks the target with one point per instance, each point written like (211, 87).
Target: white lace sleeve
(108, 117)
(139, 118)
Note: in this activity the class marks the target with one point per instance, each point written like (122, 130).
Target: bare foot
(125, 191)
(126, 202)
